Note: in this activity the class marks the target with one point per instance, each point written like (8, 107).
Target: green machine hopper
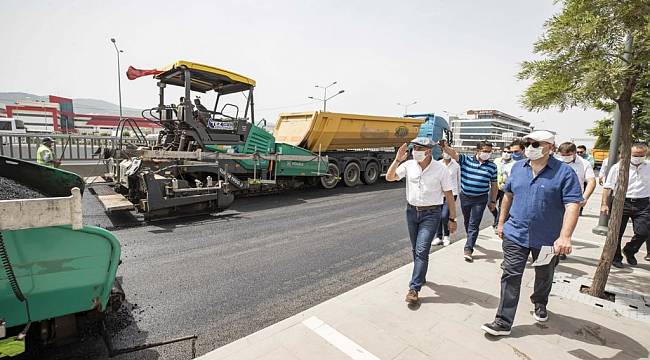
(52, 266)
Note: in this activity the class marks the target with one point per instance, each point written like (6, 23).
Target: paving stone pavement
(373, 321)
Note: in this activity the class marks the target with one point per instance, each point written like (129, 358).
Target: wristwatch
(452, 219)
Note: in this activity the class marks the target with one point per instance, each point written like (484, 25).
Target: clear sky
(446, 55)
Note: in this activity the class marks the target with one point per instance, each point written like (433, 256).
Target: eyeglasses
(534, 144)
(507, 152)
(580, 152)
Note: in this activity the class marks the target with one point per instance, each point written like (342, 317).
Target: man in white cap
(541, 203)
(427, 183)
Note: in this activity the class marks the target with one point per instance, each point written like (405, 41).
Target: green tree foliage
(584, 62)
(640, 119)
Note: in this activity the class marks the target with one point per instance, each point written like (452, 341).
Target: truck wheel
(329, 181)
(371, 174)
(351, 174)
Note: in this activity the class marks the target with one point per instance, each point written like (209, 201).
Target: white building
(37, 116)
(493, 126)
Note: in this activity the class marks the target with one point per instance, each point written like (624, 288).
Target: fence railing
(72, 147)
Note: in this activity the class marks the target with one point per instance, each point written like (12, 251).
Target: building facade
(493, 126)
(57, 116)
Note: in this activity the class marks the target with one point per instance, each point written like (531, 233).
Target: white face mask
(419, 155)
(637, 160)
(484, 156)
(506, 156)
(568, 158)
(446, 156)
(534, 153)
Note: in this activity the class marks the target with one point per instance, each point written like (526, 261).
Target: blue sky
(448, 55)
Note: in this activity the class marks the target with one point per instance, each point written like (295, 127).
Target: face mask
(568, 158)
(516, 156)
(506, 156)
(446, 156)
(419, 155)
(534, 153)
(583, 155)
(637, 160)
(484, 156)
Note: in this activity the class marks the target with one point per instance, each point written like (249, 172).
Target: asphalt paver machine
(203, 157)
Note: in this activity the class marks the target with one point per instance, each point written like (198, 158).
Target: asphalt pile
(11, 190)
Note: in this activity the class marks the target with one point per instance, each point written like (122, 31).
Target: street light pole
(119, 82)
(406, 106)
(325, 98)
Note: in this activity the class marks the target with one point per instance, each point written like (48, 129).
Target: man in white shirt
(637, 204)
(582, 167)
(442, 236)
(427, 183)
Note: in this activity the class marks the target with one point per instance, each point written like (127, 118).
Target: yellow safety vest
(40, 156)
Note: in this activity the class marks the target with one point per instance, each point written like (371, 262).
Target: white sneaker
(437, 241)
(445, 241)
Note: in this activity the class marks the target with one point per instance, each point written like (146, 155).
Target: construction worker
(45, 155)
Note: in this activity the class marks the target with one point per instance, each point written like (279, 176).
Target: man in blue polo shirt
(541, 205)
(478, 187)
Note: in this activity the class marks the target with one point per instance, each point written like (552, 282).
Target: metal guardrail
(79, 147)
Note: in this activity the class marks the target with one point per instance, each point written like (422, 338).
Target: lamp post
(325, 98)
(406, 106)
(119, 82)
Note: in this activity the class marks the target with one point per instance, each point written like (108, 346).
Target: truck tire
(330, 181)
(371, 174)
(351, 174)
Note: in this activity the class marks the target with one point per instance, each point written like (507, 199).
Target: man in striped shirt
(478, 187)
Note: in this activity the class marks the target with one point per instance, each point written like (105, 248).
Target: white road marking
(338, 340)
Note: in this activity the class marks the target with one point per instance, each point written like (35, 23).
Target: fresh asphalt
(227, 275)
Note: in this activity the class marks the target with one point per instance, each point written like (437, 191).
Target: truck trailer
(360, 147)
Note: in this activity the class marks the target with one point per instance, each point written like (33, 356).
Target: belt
(424, 208)
(634, 200)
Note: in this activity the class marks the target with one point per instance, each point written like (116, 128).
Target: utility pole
(325, 98)
(612, 156)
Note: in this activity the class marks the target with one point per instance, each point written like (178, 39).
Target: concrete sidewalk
(374, 322)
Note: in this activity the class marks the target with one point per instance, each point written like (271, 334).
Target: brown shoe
(412, 297)
(468, 256)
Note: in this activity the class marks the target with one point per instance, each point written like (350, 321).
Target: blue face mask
(516, 156)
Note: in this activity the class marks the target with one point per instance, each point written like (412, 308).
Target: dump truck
(204, 157)
(360, 147)
(599, 156)
(54, 268)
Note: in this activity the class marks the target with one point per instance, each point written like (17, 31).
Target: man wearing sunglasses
(478, 187)
(582, 152)
(540, 207)
(584, 170)
(427, 183)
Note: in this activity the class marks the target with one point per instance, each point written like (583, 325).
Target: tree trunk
(616, 212)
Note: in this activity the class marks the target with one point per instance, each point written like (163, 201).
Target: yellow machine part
(328, 131)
